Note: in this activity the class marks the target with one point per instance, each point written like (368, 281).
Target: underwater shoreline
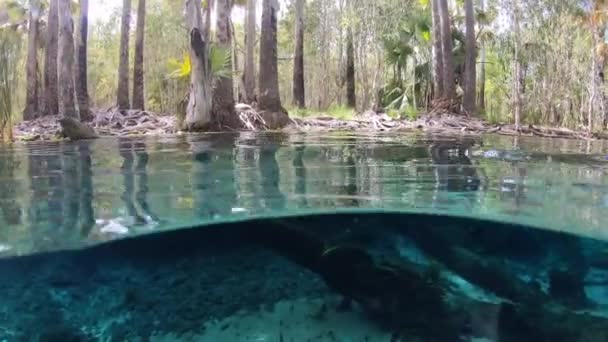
(177, 283)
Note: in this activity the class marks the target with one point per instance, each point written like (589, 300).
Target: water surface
(57, 195)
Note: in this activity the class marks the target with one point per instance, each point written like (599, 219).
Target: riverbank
(136, 123)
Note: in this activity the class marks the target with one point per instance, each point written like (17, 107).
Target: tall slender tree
(82, 90)
(470, 74)
(198, 112)
(31, 110)
(517, 67)
(138, 66)
(122, 94)
(449, 83)
(298, 63)
(351, 97)
(437, 50)
(249, 68)
(223, 92)
(269, 98)
(482, 67)
(51, 96)
(65, 57)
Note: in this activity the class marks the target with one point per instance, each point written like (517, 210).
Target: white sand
(296, 321)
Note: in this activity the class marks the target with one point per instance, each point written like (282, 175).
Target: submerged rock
(76, 130)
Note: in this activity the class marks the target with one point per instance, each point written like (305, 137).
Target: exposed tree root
(113, 122)
(106, 123)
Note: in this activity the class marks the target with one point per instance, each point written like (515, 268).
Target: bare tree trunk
(449, 83)
(65, 57)
(469, 99)
(482, 68)
(437, 51)
(122, 94)
(249, 72)
(139, 101)
(31, 110)
(269, 98)
(594, 97)
(82, 92)
(51, 105)
(298, 63)
(517, 68)
(351, 96)
(198, 113)
(223, 91)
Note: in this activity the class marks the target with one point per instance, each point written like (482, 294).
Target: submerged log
(414, 303)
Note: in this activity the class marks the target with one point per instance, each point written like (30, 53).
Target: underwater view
(304, 237)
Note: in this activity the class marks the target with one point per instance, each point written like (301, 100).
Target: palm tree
(469, 99)
(249, 69)
(449, 86)
(223, 92)
(198, 112)
(437, 50)
(269, 99)
(298, 63)
(82, 92)
(122, 94)
(351, 98)
(31, 101)
(51, 96)
(138, 66)
(65, 57)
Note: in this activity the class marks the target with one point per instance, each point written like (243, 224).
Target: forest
(502, 61)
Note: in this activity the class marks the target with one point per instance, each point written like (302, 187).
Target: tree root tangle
(440, 120)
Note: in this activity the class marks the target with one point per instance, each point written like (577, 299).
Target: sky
(100, 10)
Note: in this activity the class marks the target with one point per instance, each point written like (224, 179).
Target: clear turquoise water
(304, 237)
(66, 195)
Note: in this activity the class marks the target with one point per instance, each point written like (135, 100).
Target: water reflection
(213, 179)
(454, 169)
(77, 189)
(11, 210)
(272, 197)
(135, 180)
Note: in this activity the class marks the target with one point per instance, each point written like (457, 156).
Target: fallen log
(413, 302)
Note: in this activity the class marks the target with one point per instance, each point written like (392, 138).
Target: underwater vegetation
(417, 277)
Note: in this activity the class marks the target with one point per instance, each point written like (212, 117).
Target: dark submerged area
(399, 271)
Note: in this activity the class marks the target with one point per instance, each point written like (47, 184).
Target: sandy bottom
(300, 320)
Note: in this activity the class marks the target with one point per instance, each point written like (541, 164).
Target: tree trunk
(138, 66)
(299, 98)
(223, 91)
(269, 98)
(437, 51)
(51, 105)
(198, 112)
(449, 85)
(351, 96)
(65, 57)
(517, 68)
(249, 69)
(82, 92)
(469, 99)
(31, 110)
(482, 68)
(122, 95)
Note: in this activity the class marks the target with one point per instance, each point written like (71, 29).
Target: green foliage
(219, 59)
(9, 58)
